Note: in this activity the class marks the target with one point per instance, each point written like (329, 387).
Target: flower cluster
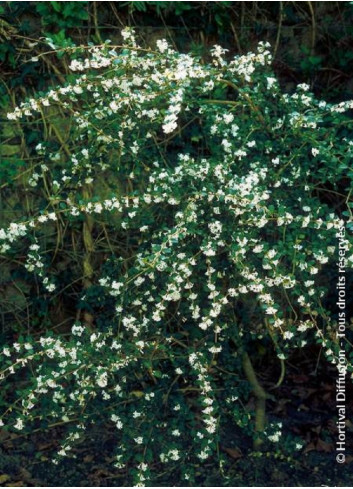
(34, 263)
(231, 240)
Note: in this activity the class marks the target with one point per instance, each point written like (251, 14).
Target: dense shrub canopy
(212, 174)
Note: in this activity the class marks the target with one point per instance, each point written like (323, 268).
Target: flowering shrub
(214, 177)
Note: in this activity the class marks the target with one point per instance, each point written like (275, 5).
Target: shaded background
(312, 42)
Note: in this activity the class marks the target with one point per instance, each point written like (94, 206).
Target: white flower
(209, 252)
(228, 118)
(102, 379)
(218, 51)
(127, 33)
(270, 82)
(203, 455)
(215, 227)
(156, 316)
(77, 329)
(271, 253)
(162, 45)
(174, 454)
(275, 437)
(50, 287)
(115, 285)
(19, 424)
(315, 151)
(139, 281)
(303, 86)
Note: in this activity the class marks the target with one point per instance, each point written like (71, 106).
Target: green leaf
(57, 6)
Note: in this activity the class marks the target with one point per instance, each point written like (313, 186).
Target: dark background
(312, 42)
